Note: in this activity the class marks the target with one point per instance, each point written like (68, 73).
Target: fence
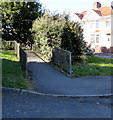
(62, 58)
(8, 45)
(23, 59)
(17, 49)
(11, 45)
(20, 53)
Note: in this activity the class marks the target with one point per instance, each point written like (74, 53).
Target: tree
(52, 31)
(72, 40)
(17, 18)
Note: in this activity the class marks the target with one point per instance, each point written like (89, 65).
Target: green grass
(95, 66)
(12, 74)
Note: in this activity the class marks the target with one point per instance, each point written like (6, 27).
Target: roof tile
(103, 11)
(106, 10)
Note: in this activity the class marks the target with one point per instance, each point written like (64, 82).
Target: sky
(71, 5)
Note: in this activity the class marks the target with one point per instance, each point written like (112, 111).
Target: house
(96, 24)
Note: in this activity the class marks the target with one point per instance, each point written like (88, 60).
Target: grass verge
(12, 74)
(95, 66)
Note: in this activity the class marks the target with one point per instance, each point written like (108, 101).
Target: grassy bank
(95, 66)
(12, 74)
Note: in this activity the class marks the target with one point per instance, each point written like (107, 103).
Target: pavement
(23, 105)
(48, 80)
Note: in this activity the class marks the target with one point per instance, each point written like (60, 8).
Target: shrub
(47, 34)
(72, 40)
(7, 45)
(57, 31)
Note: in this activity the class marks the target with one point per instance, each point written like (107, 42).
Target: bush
(47, 34)
(57, 31)
(72, 40)
(8, 45)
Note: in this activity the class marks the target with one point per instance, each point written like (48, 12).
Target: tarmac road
(23, 105)
(48, 80)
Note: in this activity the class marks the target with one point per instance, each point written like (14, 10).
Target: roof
(98, 12)
(81, 15)
(106, 10)
(103, 11)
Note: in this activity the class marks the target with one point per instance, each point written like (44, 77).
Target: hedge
(58, 31)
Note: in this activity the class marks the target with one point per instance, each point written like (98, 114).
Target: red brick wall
(102, 49)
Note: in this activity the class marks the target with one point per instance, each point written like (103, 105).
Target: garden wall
(102, 49)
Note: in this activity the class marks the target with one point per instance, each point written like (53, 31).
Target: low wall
(103, 49)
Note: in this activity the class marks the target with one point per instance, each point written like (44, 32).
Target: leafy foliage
(52, 31)
(45, 31)
(7, 45)
(72, 40)
(17, 18)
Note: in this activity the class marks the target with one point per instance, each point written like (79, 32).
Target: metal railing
(8, 45)
(19, 51)
(58, 56)
(62, 58)
(23, 59)
(11, 45)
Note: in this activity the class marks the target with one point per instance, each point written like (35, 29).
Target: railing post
(18, 50)
(70, 64)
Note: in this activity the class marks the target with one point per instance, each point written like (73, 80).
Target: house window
(92, 25)
(108, 37)
(108, 24)
(97, 38)
(94, 38)
(97, 23)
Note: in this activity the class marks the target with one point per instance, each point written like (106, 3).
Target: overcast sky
(71, 5)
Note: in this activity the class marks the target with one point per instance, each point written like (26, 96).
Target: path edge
(5, 89)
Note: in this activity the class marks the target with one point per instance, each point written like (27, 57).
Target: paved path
(48, 80)
(22, 105)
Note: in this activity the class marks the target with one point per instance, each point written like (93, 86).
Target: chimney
(96, 5)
